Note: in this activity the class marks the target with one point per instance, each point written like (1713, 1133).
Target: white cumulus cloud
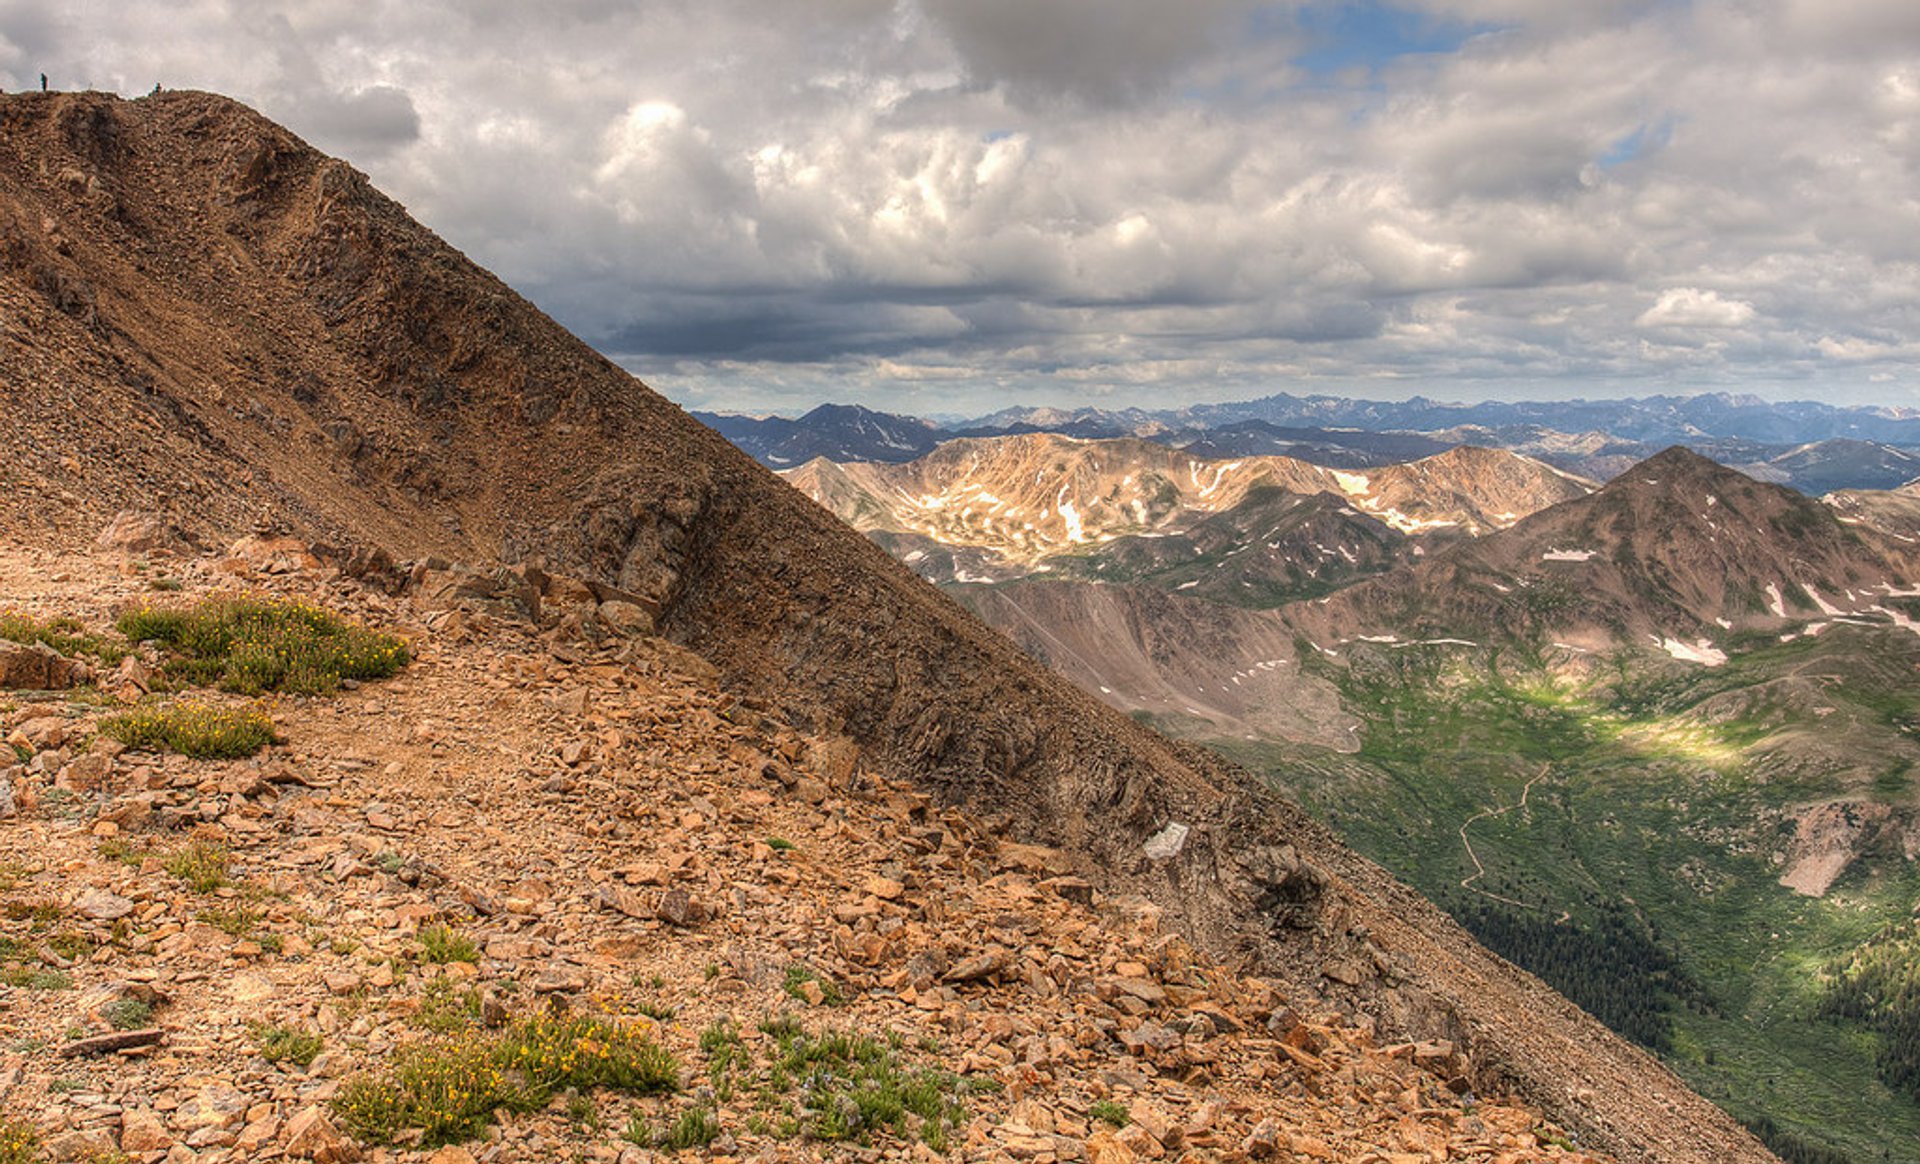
(1692, 307)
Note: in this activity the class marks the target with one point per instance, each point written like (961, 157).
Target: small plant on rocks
(696, 1128)
(201, 866)
(446, 1010)
(203, 731)
(127, 1014)
(1110, 1111)
(638, 1130)
(443, 944)
(281, 1044)
(824, 990)
(19, 1142)
(236, 921)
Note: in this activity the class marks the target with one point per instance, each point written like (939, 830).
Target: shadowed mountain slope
(210, 321)
(1678, 549)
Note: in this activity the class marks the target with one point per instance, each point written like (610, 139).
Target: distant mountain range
(840, 432)
(1036, 502)
(1814, 448)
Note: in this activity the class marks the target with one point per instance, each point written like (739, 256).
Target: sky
(954, 206)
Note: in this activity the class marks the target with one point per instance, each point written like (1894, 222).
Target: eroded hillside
(214, 959)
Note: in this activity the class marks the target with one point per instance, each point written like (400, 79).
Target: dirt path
(1480, 870)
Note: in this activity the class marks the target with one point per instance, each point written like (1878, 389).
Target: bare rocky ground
(615, 836)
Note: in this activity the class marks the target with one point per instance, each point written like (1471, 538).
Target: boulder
(38, 667)
(138, 533)
(310, 1135)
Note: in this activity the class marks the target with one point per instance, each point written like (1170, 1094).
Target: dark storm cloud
(1094, 49)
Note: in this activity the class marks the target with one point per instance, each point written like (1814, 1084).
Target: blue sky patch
(1372, 35)
(1647, 138)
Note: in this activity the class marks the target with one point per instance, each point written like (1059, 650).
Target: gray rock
(1166, 844)
(101, 905)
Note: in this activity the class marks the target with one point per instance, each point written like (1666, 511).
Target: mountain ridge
(1029, 497)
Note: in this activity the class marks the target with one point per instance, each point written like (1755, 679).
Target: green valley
(1621, 826)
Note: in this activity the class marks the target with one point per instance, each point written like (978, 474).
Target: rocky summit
(659, 812)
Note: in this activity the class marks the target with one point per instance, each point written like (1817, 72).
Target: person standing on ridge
(43, 82)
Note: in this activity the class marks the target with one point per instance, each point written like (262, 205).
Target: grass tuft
(127, 1014)
(201, 866)
(64, 635)
(696, 1128)
(444, 944)
(281, 1044)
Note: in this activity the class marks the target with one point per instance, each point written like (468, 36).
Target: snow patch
(1776, 603)
(1414, 525)
(1070, 515)
(1699, 651)
(1351, 482)
(1568, 555)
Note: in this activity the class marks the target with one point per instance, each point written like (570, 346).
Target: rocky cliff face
(212, 322)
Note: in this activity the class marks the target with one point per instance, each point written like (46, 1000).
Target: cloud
(1094, 49)
(956, 204)
(1692, 307)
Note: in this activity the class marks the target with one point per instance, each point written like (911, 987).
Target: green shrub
(203, 731)
(447, 1090)
(252, 644)
(445, 944)
(65, 635)
(31, 978)
(696, 1128)
(201, 866)
(1110, 1111)
(581, 1051)
(445, 1009)
(278, 1044)
(127, 1014)
(856, 1085)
